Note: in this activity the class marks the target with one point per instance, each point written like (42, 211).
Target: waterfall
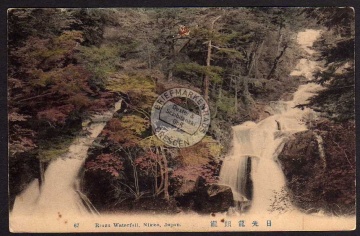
(59, 206)
(60, 193)
(235, 167)
(262, 143)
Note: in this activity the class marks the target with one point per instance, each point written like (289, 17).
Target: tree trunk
(42, 172)
(166, 180)
(155, 178)
(38, 96)
(183, 46)
(206, 78)
(257, 58)
(166, 176)
(279, 41)
(136, 180)
(247, 97)
(321, 150)
(170, 74)
(159, 188)
(217, 102)
(208, 63)
(172, 60)
(236, 95)
(276, 61)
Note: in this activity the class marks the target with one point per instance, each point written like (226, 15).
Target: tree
(336, 48)
(49, 90)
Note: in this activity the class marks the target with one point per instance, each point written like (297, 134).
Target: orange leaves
(193, 172)
(148, 160)
(79, 101)
(47, 54)
(114, 125)
(194, 155)
(56, 115)
(199, 160)
(183, 31)
(49, 67)
(126, 131)
(106, 162)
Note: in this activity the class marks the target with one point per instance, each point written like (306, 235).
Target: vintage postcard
(181, 119)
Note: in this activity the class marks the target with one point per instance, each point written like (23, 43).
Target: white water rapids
(37, 210)
(60, 193)
(263, 142)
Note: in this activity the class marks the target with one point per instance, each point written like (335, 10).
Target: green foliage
(127, 130)
(65, 62)
(200, 154)
(213, 146)
(54, 148)
(151, 141)
(130, 84)
(45, 23)
(336, 48)
(226, 104)
(196, 70)
(91, 22)
(135, 123)
(230, 53)
(140, 89)
(103, 61)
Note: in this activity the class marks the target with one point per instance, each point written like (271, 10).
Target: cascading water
(254, 144)
(60, 193)
(263, 142)
(235, 167)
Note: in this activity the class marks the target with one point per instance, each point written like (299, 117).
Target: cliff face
(319, 166)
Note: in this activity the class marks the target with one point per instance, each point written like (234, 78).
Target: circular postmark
(180, 117)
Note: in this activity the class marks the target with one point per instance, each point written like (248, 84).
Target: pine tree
(336, 48)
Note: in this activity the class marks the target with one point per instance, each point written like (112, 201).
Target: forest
(65, 65)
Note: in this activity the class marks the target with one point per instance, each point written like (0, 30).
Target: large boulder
(318, 169)
(204, 198)
(213, 198)
(187, 187)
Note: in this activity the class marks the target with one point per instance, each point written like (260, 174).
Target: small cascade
(236, 177)
(60, 193)
(261, 143)
(235, 169)
(320, 143)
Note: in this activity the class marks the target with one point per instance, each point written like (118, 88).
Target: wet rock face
(24, 170)
(316, 183)
(214, 198)
(300, 156)
(205, 199)
(187, 187)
